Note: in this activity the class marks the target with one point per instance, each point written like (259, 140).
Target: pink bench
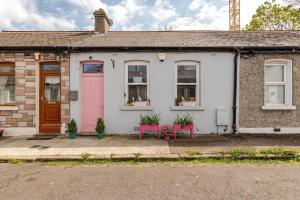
(189, 127)
(150, 128)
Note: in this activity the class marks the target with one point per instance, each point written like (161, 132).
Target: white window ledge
(186, 108)
(279, 107)
(9, 108)
(137, 108)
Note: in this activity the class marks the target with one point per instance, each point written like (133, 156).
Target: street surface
(150, 181)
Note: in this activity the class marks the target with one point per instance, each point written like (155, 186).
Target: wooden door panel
(52, 113)
(92, 101)
(50, 106)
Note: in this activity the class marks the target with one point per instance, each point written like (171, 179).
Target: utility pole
(234, 15)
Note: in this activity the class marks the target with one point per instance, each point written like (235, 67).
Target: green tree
(273, 16)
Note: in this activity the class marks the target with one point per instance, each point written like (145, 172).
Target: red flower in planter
(166, 131)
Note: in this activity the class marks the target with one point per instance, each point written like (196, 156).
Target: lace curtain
(4, 93)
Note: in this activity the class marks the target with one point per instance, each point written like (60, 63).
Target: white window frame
(197, 84)
(137, 62)
(287, 83)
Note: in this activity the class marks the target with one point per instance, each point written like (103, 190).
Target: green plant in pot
(100, 128)
(150, 119)
(72, 129)
(184, 120)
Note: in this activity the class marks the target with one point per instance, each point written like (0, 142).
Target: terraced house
(243, 82)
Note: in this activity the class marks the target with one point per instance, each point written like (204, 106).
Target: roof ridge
(7, 31)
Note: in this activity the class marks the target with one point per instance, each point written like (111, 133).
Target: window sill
(186, 108)
(279, 107)
(9, 108)
(137, 108)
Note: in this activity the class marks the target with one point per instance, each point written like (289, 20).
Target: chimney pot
(102, 22)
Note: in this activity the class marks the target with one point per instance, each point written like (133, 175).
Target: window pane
(186, 73)
(275, 94)
(187, 91)
(52, 88)
(137, 92)
(51, 67)
(137, 74)
(92, 68)
(7, 68)
(274, 73)
(7, 89)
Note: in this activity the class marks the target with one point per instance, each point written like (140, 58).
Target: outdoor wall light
(113, 63)
(90, 57)
(162, 57)
(37, 55)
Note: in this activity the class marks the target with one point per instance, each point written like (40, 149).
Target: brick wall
(252, 94)
(26, 87)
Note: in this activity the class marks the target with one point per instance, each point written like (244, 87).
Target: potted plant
(150, 119)
(191, 101)
(166, 131)
(178, 101)
(150, 122)
(184, 120)
(100, 128)
(72, 129)
(130, 102)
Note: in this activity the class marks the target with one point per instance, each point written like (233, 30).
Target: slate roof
(151, 39)
(41, 38)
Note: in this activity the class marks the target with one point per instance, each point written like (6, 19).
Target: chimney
(102, 23)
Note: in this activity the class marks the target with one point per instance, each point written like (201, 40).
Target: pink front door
(92, 95)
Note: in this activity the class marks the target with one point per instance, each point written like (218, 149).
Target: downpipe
(234, 106)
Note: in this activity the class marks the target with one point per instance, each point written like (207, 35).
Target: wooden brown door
(50, 106)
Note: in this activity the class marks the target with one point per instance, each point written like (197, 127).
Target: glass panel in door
(52, 88)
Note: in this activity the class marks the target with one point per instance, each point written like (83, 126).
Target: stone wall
(27, 86)
(252, 94)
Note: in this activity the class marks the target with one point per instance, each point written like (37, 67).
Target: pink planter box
(149, 128)
(189, 127)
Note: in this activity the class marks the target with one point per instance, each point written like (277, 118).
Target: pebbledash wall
(252, 118)
(216, 88)
(22, 118)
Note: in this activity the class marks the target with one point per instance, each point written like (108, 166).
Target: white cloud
(127, 15)
(163, 10)
(196, 4)
(121, 13)
(206, 16)
(23, 15)
(125, 11)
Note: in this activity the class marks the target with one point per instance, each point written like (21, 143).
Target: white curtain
(4, 93)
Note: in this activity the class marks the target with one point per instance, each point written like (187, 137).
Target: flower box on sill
(141, 103)
(189, 103)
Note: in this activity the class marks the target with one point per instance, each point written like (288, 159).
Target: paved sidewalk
(128, 146)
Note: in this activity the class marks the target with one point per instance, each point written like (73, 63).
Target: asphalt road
(158, 181)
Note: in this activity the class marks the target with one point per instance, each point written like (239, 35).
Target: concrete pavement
(129, 146)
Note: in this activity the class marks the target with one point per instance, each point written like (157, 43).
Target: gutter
(234, 106)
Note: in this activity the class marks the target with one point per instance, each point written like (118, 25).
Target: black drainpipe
(234, 107)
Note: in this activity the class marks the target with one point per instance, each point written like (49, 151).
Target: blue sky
(126, 14)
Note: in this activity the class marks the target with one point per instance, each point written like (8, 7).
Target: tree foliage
(273, 16)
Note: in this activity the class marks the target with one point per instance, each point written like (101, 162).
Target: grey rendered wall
(252, 79)
(216, 85)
